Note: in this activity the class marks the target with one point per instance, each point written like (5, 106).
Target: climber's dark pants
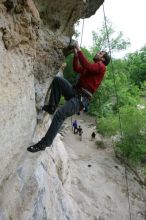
(73, 104)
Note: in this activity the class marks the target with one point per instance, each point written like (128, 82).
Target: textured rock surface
(39, 188)
(17, 105)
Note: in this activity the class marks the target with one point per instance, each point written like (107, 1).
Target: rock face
(39, 189)
(33, 36)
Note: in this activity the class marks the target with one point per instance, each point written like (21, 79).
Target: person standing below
(75, 127)
(80, 132)
(77, 97)
(93, 136)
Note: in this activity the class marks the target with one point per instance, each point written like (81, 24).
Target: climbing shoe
(37, 147)
(49, 109)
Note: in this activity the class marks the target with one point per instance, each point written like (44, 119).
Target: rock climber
(93, 135)
(77, 97)
(75, 127)
(80, 132)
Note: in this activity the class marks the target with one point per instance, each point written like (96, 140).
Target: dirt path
(98, 181)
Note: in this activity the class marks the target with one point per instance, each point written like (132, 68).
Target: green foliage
(62, 101)
(116, 91)
(143, 89)
(100, 41)
(132, 144)
(108, 125)
(137, 66)
(69, 73)
(133, 141)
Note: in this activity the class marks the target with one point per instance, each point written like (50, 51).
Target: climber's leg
(70, 107)
(60, 86)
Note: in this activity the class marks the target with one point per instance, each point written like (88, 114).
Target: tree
(137, 66)
(100, 41)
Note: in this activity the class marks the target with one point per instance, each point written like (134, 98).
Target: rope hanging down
(81, 42)
(83, 22)
(117, 99)
(82, 32)
(114, 79)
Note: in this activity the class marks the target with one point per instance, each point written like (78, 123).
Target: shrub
(133, 141)
(108, 126)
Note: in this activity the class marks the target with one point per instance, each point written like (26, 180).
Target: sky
(128, 16)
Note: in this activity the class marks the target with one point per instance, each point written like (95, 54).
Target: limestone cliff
(33, 36)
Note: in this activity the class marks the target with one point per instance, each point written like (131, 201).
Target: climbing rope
(82, 31)
(117, 100)
(112, 68)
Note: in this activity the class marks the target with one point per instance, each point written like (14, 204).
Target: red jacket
(91, 74)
